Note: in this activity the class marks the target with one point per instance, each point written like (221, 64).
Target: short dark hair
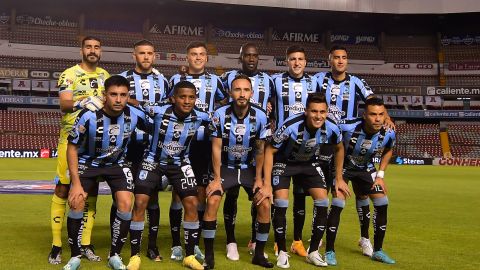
(336, 48)
(143, 42)
(184, 84)
(90, 38)
(196, 44)
(247, 45)
(242, 77)
(116, 80)
(374, 101)
(294, 49)
(316, 98)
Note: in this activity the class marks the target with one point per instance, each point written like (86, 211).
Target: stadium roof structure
(369, 6)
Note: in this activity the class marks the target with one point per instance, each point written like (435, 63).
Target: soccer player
(343, 92)
(290, 96)
(292, 153)
(363, 139)
(238, 132)
(209, 90)
(147, 87)
(168, 154)
(262, 87)
(81, 86)
(96, 148)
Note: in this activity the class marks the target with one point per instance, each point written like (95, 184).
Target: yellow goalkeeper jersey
(82, 84)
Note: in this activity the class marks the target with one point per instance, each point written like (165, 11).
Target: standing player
(81, 87)
(96, 148)
(209, 90)
(363, 139)
(238, 132)
(293, 154)
(168, 154)
(343, 92)
(262, 86)
(290, 96)
(147, 87)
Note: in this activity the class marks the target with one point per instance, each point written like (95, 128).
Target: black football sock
(136, 231)
(190, 232)
(320, 209)
(261, 237)
(153, 214)
(120, 228)
(280, 223)
(379, 221)
(333, 222)
(230, 213)
(175, 217)
(75, 229)
(363, 210)
(298, 215)
(208, 232)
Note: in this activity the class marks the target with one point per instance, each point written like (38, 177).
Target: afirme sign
(457, 162)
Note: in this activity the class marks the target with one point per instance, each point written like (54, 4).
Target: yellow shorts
(62, 176)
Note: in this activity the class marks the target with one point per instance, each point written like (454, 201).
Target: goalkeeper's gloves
(92, 103)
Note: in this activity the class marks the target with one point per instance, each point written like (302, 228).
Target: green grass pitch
(433, 223)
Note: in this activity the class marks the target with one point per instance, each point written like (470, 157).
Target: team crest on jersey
(143, 175)
(114, 129)
(239, 129)
(177, 129)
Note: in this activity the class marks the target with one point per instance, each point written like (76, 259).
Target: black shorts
(362, 181)
(180, 177)
(200, 157)
(134, 156)
(238, 177)
(328, 170)
(119, 178)
(306, 175)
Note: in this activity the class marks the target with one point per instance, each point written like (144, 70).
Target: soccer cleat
(73, 264)
(316, 259)
(192, 263)
(232, 252)
(251, 249)
(381, 256)
(298, 248)
(330, 258)
(154, 255)
(208, 263)
(282, 259)
(89, 253)
(198, 253)
(55, 256)
(275, 249)
(177, 253)
(134, 263)
(115, 262)
(366, 246)
(262, 261)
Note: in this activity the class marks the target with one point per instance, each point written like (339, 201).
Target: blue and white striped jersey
(239, 134)
(291, 94)
(343, 96)
(103, 139)
(360, 147)
(295, 143)
(171, 135)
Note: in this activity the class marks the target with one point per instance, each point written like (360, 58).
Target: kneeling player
(363, 139)
(96, 148)
(293, 153)
(174, 127)
(238, 132)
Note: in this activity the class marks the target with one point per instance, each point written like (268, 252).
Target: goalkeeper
(81, 86)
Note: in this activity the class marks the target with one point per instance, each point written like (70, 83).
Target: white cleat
(282, 259)
(316, 259)
(232, 252)
(366, 246)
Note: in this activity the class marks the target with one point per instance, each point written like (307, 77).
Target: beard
(86, 60)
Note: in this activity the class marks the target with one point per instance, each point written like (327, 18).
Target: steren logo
(407, 161)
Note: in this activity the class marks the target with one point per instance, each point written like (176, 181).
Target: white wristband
(381, 174)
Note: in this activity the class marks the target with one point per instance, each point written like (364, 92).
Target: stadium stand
(464, 139)
(45, 35)
(115, 38)
(29, 130)
(418, 140)
(461, 53)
